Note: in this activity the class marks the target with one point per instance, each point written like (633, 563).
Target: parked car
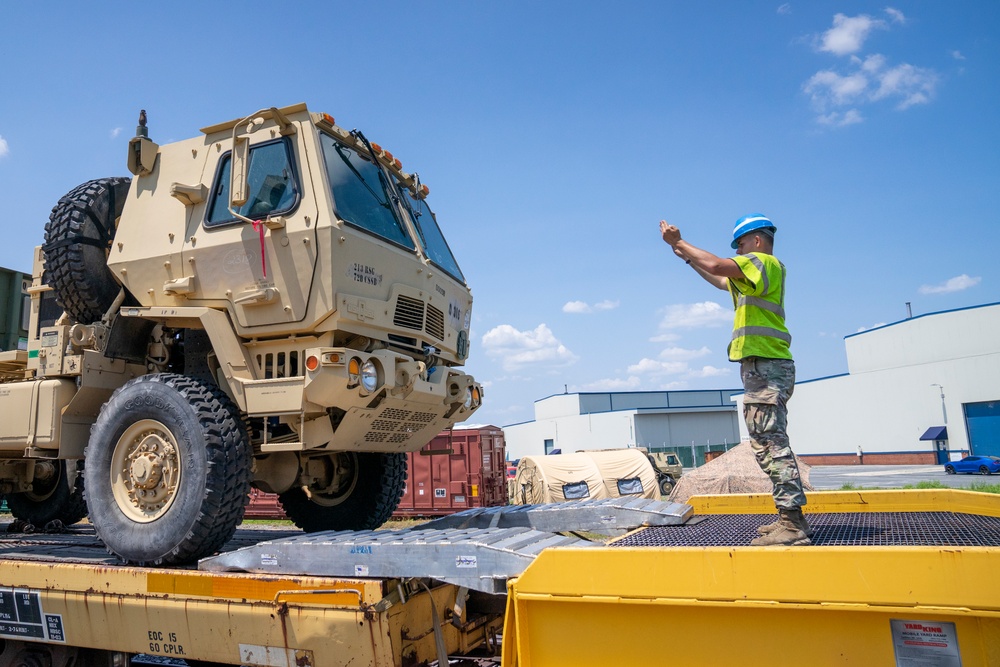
(984, 465)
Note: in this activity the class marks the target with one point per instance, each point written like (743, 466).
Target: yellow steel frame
(273, 621)
(757, 605)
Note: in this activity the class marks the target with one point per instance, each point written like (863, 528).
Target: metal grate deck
(830, 529)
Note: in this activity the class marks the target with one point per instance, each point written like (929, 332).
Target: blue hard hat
(751, 223)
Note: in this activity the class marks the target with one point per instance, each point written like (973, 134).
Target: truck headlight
(369, 376)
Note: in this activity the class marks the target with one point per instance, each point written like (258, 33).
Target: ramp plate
(831, 529)
(608, 516)
(478, 559)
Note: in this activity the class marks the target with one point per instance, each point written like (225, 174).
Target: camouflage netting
(736, 471)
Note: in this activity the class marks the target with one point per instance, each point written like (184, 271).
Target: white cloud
(785, 8)
(576, 307)
(957, 55)
(838, 119)
(116, 132)
(665, 338)
(868, 80)
(692, 315)
(895, 15)
(915, 85)
(582, 307)
(611, 384)
(956, 284)
(710, 372)
(829, 88)
(518, 349)
(682, 354)
(4, 148)
(848, 34)
(874, 326)
(655, 367)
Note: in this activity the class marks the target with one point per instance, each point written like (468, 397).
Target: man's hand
(670, 233)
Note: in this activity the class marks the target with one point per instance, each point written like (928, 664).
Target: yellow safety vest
(759, 299)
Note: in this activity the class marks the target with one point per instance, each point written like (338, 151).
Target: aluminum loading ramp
(610, 516)
(477, 549)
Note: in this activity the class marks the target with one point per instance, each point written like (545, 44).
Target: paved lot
(826, 478)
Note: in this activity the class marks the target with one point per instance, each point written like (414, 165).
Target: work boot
(771, 527)
(790, 531)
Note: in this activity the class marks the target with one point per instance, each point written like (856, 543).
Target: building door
(982, 420)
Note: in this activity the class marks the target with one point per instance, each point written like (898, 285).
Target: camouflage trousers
(768, 384)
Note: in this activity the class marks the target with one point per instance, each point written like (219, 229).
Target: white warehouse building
(688, 422)
(922, 390)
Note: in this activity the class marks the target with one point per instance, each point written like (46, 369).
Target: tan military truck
(270, 303)
(668, 469)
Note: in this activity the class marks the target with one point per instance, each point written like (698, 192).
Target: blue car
(984, 465)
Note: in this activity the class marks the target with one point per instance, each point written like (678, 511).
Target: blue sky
(555, 135)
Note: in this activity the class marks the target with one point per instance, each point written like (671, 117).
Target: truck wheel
(78, 238)
(168, 470)
(368, 489)
(666, 486)
(57, 496)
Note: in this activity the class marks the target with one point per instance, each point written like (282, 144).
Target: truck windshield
(431, 238)
(359, 198)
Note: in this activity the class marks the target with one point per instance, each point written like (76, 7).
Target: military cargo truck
(270, 303)
(668, 469)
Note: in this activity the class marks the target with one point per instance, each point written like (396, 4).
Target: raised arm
(716, 270)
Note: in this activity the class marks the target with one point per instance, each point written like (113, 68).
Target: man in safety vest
(756, 281)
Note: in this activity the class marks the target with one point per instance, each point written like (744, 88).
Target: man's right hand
(670, 233)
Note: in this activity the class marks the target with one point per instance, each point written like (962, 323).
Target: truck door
(264, 270)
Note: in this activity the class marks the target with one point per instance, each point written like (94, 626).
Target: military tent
(626, 472)
(554, 479)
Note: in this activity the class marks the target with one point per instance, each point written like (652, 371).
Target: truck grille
(435, 322)
(410, 314)
(396, 426)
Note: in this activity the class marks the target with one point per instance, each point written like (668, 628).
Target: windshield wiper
(389, 195)
(347, 161)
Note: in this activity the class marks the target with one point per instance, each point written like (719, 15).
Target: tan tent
(584, 475)
(626, 472)
(557, 478)
(736, 471)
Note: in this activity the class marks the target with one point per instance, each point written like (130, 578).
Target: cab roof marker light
(399, 165)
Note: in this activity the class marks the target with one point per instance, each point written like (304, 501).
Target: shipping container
(457, 470)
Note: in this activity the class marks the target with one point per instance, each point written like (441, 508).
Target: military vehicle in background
(270, 303)
(668, 469)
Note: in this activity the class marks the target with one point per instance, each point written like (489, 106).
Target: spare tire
(78, 238)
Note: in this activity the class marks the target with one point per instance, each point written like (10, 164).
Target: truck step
(478, 559)
(608, 516)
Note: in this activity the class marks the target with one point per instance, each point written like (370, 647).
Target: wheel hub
(145, 470)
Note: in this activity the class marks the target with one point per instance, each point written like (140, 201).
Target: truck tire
(373, 490)
(666, 485)
(168, 470)
(59, 497)
(78, 238)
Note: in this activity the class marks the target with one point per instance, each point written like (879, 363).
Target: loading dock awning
(935, 433)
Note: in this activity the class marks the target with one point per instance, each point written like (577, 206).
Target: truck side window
(273, 189)
(359, 195)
